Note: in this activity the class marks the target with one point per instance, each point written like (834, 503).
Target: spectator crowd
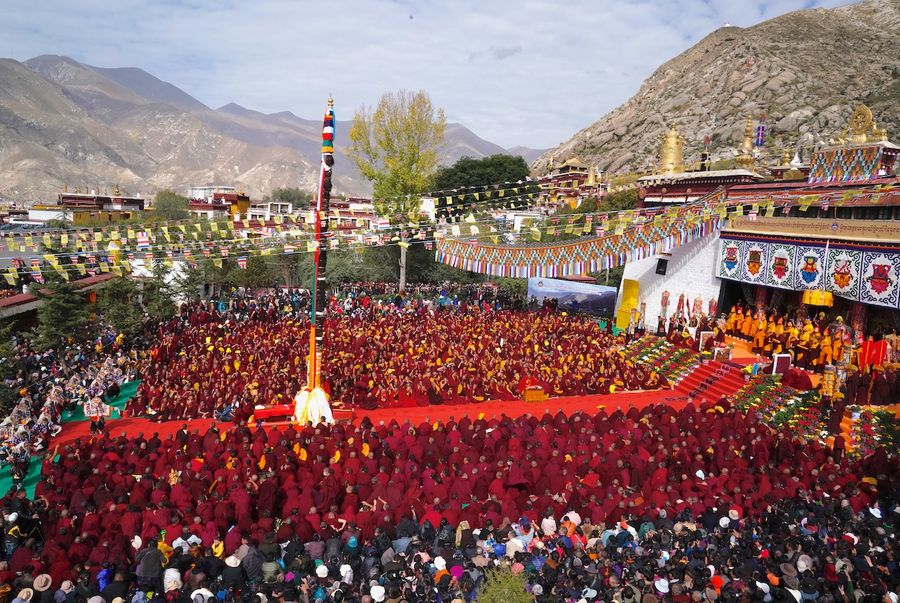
(700, 504)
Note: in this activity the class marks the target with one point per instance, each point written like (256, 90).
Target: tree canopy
(118, 302)
(396, 144)
(503, 586)
(468, 172)
(62, 316)
(289, 194)
(158, 294)
(169, 205)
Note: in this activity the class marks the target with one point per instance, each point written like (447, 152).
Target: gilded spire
(786, 156)
(746, 159)
(747, 145)
(671, 152)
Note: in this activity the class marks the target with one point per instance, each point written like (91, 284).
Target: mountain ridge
(97, 127)
(805, 70)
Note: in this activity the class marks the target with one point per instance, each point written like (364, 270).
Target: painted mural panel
(879, 281)
(731, 256)
(755, 260)
(871, 277)
(843, 272)
(780, 266)
(810, 272)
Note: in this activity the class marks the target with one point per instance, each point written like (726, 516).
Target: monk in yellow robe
(732, 320)
(825, 350)
(769, 344)
(759, 333)
(778, 338)
(792, 333)
(814, 340)
(747, 325)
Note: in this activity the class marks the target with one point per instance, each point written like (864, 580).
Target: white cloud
(526, 72)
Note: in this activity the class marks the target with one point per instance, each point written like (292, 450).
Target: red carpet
(611, 403)
(711, 381)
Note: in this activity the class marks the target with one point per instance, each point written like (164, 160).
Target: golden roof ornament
(746, 159)
(860, 123)
(671, 152)
(860, 129)
(786, 156)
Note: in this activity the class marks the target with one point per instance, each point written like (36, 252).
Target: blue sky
(517, 72)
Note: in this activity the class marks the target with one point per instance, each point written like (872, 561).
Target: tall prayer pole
(311, 403)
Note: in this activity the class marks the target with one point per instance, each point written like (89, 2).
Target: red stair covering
(712, 381)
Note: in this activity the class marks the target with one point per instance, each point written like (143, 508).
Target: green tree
(118, 303)
(395, 146)
(296, 269)
(626, 199)
(158, 294)
(469, 172)
(258, 274)
(188, 284)
(502, 586)
(169, 205)
(221, 278)
(298, 197)
(62, 316)
(7, 367)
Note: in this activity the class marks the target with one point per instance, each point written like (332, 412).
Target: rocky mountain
(805, 71)
(67, 123)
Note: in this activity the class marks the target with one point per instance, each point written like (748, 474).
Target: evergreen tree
(258, 274)
(8, 395)
(170, 205)
(468, 172)
(158, 294)
(118, 302)
(298, 197)
(189, 283)
(62, 316)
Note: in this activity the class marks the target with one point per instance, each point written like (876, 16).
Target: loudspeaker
(661, 265)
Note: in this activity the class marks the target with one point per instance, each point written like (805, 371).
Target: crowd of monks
(385, 357)
(343, 507)
(818, 342)
(812, 342)
(655, 504)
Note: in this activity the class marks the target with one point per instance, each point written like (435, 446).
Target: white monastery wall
(691, 271)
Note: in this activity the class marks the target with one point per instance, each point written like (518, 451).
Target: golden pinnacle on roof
(786, 156)
(671, 152)
(860, 129)
(746, 159)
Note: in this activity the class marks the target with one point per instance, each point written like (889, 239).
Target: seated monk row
(813, 343)
(220, 488)
(204, 364)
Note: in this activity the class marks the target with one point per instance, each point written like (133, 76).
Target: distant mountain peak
(234, 108)
(805, 71)
(102, 126)
(150, 87)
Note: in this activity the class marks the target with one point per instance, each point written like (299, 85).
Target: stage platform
(743, 355)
